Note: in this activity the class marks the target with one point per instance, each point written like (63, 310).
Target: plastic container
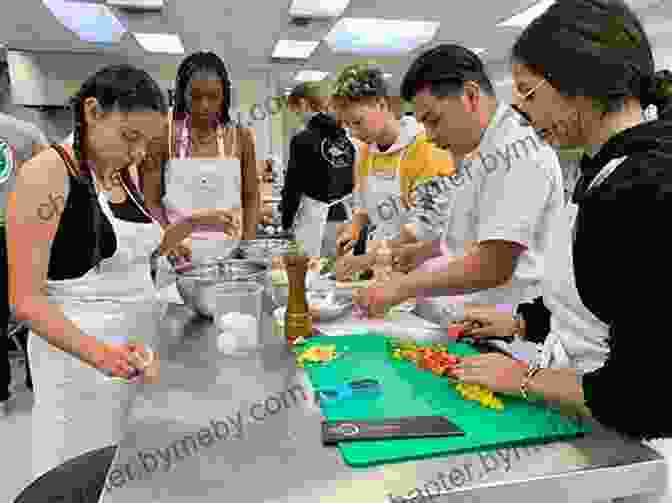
(238, 316)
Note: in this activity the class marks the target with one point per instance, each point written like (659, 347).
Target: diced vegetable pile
(316, 354)
(439, 361)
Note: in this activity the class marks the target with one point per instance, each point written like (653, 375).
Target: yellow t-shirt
(421, 159)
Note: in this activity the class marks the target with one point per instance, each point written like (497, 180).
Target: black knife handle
(360, 246)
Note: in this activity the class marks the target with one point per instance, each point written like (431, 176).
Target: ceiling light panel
(294, 49)
(91, 22)
(166, 43)
(137, 4)
(379, 36)
(524, 18)
(310, 76)
(318, 8)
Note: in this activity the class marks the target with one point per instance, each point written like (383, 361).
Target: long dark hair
(122, 86)
(195, 63)
(598, 49)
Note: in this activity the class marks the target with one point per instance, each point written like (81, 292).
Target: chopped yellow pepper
(481, 394)
(317, 354)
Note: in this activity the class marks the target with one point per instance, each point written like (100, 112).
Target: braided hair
(196, 63)
(122, 86)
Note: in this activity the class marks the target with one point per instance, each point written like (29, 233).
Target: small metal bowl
(326, 312)
(196, 283)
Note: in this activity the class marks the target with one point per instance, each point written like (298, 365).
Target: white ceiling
(244, 32)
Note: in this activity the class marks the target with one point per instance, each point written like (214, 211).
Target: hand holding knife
(462, 333)
(493, 322)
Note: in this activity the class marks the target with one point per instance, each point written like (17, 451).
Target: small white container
(238, 316)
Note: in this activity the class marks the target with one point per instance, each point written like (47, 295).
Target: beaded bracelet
(532, 371)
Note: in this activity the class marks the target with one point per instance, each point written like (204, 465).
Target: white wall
(248, 106)
(52, 78)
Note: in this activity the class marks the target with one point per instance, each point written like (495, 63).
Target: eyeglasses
(525, 96)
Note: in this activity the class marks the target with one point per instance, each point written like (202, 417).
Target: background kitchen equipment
(196, 282)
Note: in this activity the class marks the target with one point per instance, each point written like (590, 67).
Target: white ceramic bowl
(320, 312)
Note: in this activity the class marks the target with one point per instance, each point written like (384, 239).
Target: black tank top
(85, 235)
(129, 210)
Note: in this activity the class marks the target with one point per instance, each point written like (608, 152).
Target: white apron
(382, 200)
(77, 408)
(193, 184)
(577, 338)
(310, 223)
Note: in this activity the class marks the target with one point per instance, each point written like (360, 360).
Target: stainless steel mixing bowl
(196, 284)
(263, 249)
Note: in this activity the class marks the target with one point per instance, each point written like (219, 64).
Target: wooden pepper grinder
(298, 322)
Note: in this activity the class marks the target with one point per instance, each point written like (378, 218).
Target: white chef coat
(511, 189)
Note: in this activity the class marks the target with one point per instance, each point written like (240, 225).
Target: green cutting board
(409, 391)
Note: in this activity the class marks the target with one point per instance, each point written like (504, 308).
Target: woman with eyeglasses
(584, 74)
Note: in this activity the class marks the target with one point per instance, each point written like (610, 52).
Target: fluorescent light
(91, 22)
(379, 36)
(387, 75)
(167, 43)
(310, 76)
(318, 8)
(527, 16)
(137, 4)
(294, 49)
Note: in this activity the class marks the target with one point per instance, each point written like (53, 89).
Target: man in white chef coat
(482, 232)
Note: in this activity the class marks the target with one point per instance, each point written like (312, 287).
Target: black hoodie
(321, 163)
(623, 272)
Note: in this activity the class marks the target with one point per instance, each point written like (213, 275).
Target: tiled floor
(15, 438)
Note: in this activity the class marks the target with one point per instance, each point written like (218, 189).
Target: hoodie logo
(6, 161)
(338, 152)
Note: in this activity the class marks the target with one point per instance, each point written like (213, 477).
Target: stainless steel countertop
(280, 459)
